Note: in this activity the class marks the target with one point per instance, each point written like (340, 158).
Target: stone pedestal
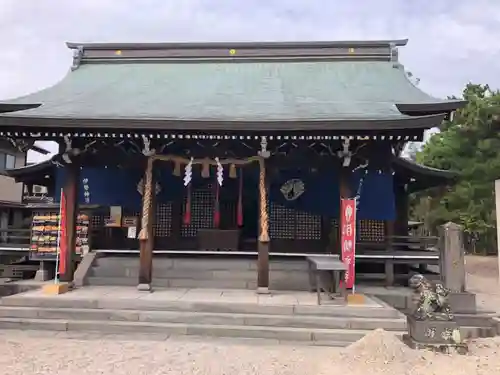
(144, 288)
(463, 303)
(55, 289)
(43, 273)
(263, 290)
(436, 335)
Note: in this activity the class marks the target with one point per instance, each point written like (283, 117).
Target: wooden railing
(15, 237)
(410, 243)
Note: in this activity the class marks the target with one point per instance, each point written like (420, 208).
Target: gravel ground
(482, 279)
(30, 353)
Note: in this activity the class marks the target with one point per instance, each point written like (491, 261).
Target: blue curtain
(376, 200)
(321, 193)
(118, 187)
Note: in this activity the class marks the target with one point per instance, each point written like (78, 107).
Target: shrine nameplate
(130, 221)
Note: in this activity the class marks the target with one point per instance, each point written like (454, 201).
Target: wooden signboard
(115, 217)
(44, 234)
(130, 221)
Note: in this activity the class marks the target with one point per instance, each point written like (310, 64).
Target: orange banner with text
(63, 243)
(348, 238)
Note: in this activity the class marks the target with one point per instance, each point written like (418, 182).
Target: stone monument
(431, 324)
(452, 269)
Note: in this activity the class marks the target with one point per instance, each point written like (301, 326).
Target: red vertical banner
(63, 244)
(348, 238)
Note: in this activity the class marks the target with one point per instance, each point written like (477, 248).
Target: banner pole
(354, 247)
(56, 278)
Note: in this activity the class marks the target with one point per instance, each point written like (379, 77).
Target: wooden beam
(264, 240)
(146, 234)
(70, 190)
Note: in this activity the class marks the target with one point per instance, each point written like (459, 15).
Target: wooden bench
(325, 274)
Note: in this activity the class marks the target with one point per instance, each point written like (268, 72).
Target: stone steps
(161, 264)
(471, 332)
(271, 318)
(146, 304)
(293, 321)
(332, 337)
(475, 320)
(179, 282)
(297, 284)
(179, 272)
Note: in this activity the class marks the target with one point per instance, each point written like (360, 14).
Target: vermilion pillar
(70, 191)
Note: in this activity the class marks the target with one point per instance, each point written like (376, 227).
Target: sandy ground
(30, 353)
(482, 279)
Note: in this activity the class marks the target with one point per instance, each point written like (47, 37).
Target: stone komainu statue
(431, 300)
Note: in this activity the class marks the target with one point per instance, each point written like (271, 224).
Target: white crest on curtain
(293, 189)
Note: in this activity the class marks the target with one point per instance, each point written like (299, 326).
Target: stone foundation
(437, 335)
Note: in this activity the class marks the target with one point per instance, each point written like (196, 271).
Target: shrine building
(229, 151)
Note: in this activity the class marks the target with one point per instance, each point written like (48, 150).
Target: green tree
(470, 145)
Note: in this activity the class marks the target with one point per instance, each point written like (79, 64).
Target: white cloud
(451, 42)
(35, 157)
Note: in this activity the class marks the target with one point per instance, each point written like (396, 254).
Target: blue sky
(451, 42)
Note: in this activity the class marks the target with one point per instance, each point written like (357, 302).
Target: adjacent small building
(12, 193)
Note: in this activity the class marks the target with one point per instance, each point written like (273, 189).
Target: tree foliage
(470, 145)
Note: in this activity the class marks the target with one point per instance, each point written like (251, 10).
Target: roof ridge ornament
(264, 152)
(70, 151)
(345, 153)
(147, 150)
(77, 58)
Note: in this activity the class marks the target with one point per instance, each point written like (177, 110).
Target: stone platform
(280, 316)
(473, 321)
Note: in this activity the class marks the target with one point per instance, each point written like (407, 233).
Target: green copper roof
(269, 89)
(230, 91)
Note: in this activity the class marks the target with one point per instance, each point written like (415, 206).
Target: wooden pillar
(70, 190)
(146, 234)
(389, 263)
(264, 240)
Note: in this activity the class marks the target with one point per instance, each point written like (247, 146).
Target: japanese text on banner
(348, 238)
